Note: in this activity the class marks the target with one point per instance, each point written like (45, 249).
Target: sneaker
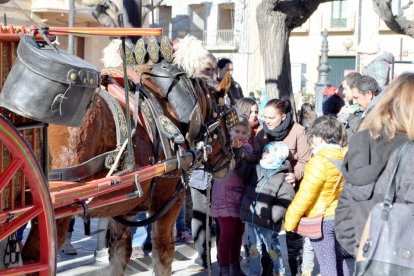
(184, 237)
(68, 248)
(137, 253)
(102, 256)
(196, 268)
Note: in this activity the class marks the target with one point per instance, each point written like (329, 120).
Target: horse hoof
(166, 49)
(153, 49)
(140, 51)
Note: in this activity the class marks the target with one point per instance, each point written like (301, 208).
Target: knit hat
(279, 152)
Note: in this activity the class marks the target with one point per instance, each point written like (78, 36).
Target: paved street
(84, 262)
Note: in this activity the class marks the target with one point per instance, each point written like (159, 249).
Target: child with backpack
(319, 192)
(264, 204)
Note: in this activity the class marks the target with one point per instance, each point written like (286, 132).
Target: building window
(398, 7)
(339, 16)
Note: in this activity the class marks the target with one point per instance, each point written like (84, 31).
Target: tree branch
(397, 23)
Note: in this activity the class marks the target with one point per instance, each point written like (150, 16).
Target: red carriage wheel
(16, 209)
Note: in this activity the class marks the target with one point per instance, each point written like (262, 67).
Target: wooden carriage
(25, 193)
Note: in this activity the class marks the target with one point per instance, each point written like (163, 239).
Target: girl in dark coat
(264, 205)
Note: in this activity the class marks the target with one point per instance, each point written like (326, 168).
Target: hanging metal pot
(48, 84)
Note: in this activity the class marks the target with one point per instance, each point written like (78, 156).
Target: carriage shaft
(74, 192)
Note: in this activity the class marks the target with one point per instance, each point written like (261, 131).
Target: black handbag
(387, 242)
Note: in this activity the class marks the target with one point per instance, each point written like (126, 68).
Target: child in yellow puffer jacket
(317, 192)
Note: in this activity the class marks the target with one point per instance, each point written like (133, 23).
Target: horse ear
(224, 86)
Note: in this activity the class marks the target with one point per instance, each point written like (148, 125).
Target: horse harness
(166, 130)
(102, 161)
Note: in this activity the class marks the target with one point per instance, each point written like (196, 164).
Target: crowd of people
(323, 166)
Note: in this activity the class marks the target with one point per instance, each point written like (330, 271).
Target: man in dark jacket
(365, 90)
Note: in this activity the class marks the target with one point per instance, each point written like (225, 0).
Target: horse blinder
(220, 162)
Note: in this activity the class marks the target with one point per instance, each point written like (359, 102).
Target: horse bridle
(213, 133)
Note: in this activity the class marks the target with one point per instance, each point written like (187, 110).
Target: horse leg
(163, 230)
(119, 247)
(30, 252)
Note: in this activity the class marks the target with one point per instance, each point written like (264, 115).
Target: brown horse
(70, 146)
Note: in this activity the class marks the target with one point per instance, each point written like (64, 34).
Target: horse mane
(189, 54)
(111, 56)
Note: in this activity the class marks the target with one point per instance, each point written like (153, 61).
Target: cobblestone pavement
(84, 262)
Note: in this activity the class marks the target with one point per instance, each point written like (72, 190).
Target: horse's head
(203, 117)
(211, 120)
(216, 131)
(197, 106)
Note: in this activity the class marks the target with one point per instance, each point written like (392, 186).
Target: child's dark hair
(329, 129)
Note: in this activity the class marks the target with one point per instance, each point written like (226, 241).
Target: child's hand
(290, 178)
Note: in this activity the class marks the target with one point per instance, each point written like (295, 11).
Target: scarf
(280, 132)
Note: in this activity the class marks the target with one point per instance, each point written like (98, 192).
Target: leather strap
(118, 115)
(81, 171)
(97, 163)
(156, 111)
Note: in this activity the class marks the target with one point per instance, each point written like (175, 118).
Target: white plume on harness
(190, 54)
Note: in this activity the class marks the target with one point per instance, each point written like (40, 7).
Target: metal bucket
(49, 85)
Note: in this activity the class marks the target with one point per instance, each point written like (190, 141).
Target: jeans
(257, 236)
(198, 225)
(71, 224)
(140, 235)
(20, 232)
(308, 255)
(180, 224)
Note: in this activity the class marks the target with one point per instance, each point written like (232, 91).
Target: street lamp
(347, 43)
(323, 69)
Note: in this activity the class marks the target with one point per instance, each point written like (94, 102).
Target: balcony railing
(339, 23)
(213, 38)
(219, 38)
(210, 39)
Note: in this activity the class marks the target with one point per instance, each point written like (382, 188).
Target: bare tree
(396, 22)
(276, 19)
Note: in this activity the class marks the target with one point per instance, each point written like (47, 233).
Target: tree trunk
(274, 46)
